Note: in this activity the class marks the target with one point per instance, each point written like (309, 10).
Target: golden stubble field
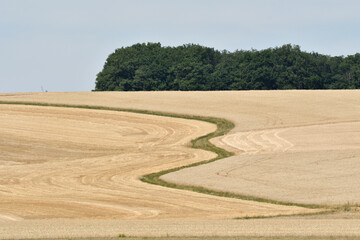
(85, 165)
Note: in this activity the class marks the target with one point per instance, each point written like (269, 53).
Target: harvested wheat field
(316, 164)
(67, 172)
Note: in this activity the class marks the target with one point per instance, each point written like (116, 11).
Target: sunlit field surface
(67, 172)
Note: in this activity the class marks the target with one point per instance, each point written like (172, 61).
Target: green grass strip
(223, 127)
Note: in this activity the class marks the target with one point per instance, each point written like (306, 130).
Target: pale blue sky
(61, 45)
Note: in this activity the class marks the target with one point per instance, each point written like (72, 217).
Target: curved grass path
(223, 127)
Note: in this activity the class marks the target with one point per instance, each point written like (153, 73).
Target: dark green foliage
(151, 67)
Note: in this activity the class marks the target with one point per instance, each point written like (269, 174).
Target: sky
(60, 45)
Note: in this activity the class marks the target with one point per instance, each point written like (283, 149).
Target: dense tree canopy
(149, 67)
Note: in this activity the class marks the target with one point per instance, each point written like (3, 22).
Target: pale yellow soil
(312, 164)
(277, 162)
(287, 126)
(324, 177)
(249, 110)
(78, 163)
(182, 227)
(86, 164)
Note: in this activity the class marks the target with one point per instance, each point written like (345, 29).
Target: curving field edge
(223, 127)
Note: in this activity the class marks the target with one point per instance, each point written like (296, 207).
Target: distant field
(315, 164)
(249, 110)
(294, 146)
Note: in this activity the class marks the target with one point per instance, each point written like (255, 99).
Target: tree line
(151, 67)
